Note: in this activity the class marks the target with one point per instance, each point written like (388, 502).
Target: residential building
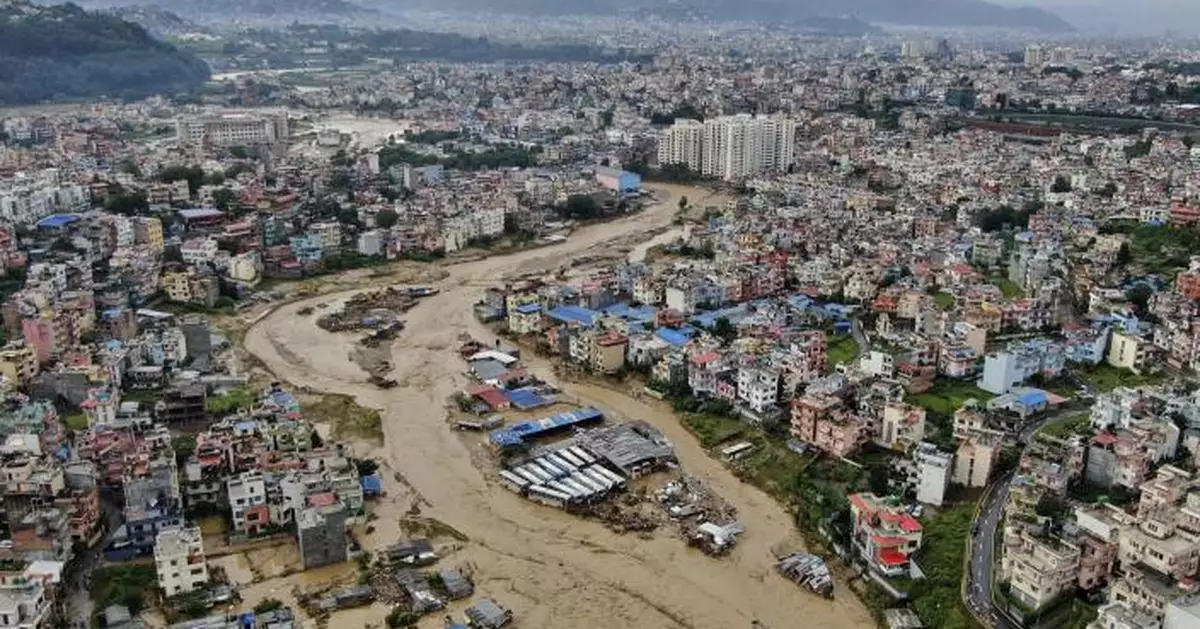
(1129, 351)
(179, 561)
(885, 536)
(903, 426)
(1008, 369)
(975, 459)
(740, 146)
(247, 494)
(1039, 570)
(682, 143)
(18, 363)
(322, 535)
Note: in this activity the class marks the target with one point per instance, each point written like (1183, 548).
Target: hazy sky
(1143, 16)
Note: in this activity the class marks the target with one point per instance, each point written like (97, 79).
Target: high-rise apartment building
(680, 144)
(730, 147)
(1036, 56)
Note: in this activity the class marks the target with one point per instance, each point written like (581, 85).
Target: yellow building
(1127, 351)
(149, 233)
(18, 363)
(177, 286)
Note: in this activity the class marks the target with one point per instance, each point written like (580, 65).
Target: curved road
(553, 569)
(979, 599)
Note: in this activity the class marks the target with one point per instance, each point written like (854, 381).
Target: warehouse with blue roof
(517, 433)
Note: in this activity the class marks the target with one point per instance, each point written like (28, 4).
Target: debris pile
(373, 310)
(809, 571)
(697, 511)
(323, 601)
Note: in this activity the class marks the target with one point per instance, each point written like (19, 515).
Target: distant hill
(259, 12)
(976, 13)
(159, 22)
(64, 52)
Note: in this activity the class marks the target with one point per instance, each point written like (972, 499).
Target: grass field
(1010, 288)
(948, 396)
(842, 349)
(1105, 377)
(945, 301)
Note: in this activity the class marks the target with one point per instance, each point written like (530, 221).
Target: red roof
(323, 499)
(493, 398)
(889, 557)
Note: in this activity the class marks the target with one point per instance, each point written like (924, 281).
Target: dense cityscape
(663, 318)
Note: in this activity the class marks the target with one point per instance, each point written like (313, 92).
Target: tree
(386, 218)
(193, 174)
(1140, 296)
(348, 216)
(683, 203)
(224, 199)
(127, 203)
(1060, 185)
(724, 330)
(580, 206)
(1124, 255)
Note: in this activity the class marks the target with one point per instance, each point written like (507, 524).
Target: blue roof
(528, 308)
(200, 212)
(1033, 397)
(631, 313)
(527, 398)
(515, 434)
(678, 338)
(55, 221)
(574, 314)
(372, 484)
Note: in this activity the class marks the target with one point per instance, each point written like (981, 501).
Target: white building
(370, 243)
(758, 389)
(233, 129)
(1183, 613)
(199, 251)
(245, 491)
(682, 144)
(934, 469)
(741, 146)
(179, 560)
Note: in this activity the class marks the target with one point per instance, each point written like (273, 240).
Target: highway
(979, 599)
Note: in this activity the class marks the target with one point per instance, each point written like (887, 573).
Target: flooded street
(551, 568)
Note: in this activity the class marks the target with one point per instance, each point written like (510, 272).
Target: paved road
(79, 608)
(983, 539)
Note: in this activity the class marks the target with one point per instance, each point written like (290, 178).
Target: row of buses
(565, 477)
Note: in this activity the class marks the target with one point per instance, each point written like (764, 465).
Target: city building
(179, 561)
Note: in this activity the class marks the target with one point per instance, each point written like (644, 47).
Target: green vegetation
(1104, 377)
(938, 598)
(1011, 289)
(948, 396)
(268, 605)
(1158, 249)
(184, 447)
(842, 348)
(493, 158)
(76, 421)
(347, 418)
(1076, 425)
(944, 300)
(233, 400)
(64, 52)
(123, 585)
(713, 430)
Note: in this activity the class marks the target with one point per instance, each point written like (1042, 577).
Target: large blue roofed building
(518, 433)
